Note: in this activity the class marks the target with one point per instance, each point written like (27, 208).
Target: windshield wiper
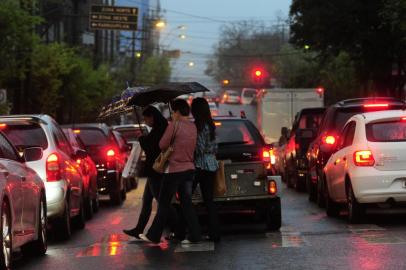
(231, 143)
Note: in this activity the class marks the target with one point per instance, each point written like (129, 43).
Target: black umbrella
(164, 93)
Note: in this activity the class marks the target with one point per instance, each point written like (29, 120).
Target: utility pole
(112, 40)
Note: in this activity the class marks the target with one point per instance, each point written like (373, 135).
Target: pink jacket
(182, 159)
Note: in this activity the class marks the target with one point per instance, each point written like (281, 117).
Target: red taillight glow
(364, 158)
(403, 119)
(3, 126)
(76, 131)
(53, 168)
(329, 140)
(217, 124)
(266, 155)
(376, 105)
(272, 188)
(111, 153)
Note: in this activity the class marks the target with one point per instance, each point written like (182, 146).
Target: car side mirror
(81, 154)
(33, 154)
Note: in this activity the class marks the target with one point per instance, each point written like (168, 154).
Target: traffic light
(259, 77)
(320, 91)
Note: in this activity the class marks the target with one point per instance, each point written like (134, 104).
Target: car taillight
(272, 187)
(111, 159)
(266, 155)
(376, 105)
(53, 168)
(330, 140)
(364, 158)
(273, 157)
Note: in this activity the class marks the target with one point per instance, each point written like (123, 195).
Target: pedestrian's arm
(166, 138)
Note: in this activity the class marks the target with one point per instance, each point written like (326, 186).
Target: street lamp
(160, 24)
(191, 64)
(182, 36)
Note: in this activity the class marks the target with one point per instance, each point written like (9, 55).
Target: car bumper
(55, 194)
(107, 181)
(374, 186)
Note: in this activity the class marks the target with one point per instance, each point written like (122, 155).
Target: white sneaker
(145, 238)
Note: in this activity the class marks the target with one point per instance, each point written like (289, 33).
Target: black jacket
(150, 145)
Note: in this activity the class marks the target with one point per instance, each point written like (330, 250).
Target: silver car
(23, 203)
(57, 168)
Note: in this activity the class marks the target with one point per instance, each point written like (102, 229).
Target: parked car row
(53, 173)
(355, 159)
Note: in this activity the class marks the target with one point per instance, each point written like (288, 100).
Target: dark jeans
(183, 183)
(206, 181)
(151, 191)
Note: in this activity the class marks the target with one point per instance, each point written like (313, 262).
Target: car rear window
(250, 93)
(93, 137)
(310, 120)
(130, 134)
(233, 94)
(26, 135)
(386, 132)
(234, 132)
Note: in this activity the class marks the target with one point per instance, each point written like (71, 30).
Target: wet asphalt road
(308, 239)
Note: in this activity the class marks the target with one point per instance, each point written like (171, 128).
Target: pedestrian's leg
(168, 190)
(206, 181)
(155, 186)
(185, 196)
(145, 209)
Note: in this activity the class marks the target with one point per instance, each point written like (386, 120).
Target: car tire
(6, 258)
(80, 219)
(63, 228)
(310, 188)
(332, 208)
(320, 200)
(89, 207)
(39, 247)
(96, 203)
(274, 215)
(355, 210)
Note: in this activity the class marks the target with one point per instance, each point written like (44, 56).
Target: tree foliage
(155, 70)
(368, 31)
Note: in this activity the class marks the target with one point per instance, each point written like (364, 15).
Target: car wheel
(89, 207)
(39, 247)
(274, 215)
(321, 201)
(124, 190)
(310, 188)
(96, 203)
(6, 239)
(63, 227)
(332, 208)
(80, 220)
(355, 209)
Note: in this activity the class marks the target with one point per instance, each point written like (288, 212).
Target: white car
(248, 96)
(369, 167)
(231, 97)
(213, 109)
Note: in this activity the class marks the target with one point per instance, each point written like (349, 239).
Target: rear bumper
(107, 181)
(373, 186)
(55, 195)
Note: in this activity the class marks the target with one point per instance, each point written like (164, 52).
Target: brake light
(376, 105)
(272, 187)
(53, 168)
(403, 119)
(266, 155)
(110, 153)
(330, 140)
(273, 157)
(2, 126)
(76, 131)
(217, 124)
(364, 158)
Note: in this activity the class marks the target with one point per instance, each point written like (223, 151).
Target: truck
(279, 107)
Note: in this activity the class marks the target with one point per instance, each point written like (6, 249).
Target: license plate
(257, 183)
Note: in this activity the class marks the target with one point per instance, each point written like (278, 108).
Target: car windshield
(233, 132)
(386, 132)
(26, 135)
(93, 137)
